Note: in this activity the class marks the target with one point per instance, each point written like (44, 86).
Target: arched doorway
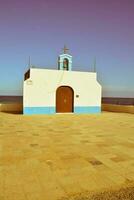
(64, 99)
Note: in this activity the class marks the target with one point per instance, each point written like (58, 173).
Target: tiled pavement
(49, 157)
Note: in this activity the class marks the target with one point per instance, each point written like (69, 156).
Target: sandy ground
(67, 156)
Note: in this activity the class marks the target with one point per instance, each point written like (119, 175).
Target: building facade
(61, 91)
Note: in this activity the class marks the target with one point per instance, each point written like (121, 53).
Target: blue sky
(90, 28)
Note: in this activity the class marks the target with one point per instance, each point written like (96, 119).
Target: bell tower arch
(65, 60)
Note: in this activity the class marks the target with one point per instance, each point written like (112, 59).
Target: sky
(91, 29)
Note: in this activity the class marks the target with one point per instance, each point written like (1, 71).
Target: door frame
(72, 97)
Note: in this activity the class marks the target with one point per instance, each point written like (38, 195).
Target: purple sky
(90, 28)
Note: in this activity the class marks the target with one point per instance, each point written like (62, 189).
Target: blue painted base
(87, 109)
(52, 110)
(38, 110)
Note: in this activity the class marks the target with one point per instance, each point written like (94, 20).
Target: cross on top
(65, 49)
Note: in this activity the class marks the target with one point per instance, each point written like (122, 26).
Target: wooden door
(64, 99)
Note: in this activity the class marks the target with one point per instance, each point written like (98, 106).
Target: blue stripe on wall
(52, 110)
(87, 109)
(38, 110)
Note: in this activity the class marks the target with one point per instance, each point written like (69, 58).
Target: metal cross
(65, 49)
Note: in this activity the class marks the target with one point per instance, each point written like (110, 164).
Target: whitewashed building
(48, 91)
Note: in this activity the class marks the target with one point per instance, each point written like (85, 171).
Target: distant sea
(106, 100)
(11, 99)
(118, 100)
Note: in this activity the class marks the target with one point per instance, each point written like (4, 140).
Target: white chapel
(63, 90)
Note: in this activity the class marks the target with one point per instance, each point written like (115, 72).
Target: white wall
(40, 88)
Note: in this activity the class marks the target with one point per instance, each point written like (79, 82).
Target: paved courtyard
(56, 156)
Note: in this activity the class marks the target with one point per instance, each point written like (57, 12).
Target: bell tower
(65, 60)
